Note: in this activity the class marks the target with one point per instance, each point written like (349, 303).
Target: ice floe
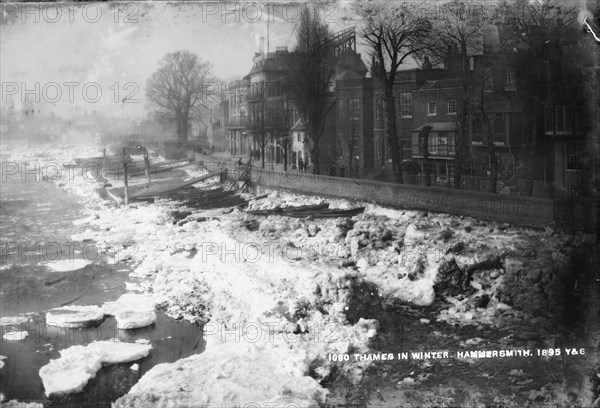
(132, 311)
(78, 364)
(15, 335)
(74, 316)
(68, 265)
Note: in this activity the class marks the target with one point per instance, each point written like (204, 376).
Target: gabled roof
(347, 75)
(298, 126)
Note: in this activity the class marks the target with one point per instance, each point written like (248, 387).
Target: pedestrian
(332, 170)
(300, 165)
(342, 171)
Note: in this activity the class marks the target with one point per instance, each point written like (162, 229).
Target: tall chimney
(261, 46)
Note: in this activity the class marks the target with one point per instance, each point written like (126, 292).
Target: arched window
(499, 130)
(477, 130)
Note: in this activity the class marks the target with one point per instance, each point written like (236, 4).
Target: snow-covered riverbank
(280, 296)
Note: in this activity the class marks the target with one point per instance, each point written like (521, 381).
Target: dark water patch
(30, 288)
(36, 217)
(19, 379)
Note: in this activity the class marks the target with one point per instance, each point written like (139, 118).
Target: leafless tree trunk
(455, 32)
(424, 135)
(312, 74)
(393, 31)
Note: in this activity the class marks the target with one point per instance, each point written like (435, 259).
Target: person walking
(300, 165)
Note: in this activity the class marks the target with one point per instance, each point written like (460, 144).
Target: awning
(438, 127)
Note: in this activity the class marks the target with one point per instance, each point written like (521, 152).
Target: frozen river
(36, 224)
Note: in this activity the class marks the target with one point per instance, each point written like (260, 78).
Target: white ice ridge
(78, 364)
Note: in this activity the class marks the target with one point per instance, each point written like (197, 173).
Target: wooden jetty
(158, 188)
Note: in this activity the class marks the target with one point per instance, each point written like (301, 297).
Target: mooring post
(147, 164)
(125, 177)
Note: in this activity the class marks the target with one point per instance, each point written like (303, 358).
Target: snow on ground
(68, 265)
(294, 278)
(74, 316)
(78, 364)
(15, 335)
(230, 373)
(132, 311)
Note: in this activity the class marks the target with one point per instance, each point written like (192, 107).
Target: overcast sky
(92, 44)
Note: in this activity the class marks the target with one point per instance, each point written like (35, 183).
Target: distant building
(236, 121)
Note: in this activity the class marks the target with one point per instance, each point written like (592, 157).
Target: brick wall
(517, 210)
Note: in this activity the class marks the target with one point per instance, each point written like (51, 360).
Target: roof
(347, 75)
(298, 126)
(438, 127)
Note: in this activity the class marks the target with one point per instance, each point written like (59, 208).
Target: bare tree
(424, 141)
(533, 38)
(312, 74)
(350, 134)
(177, 89)
(457, 35)
(281, 117)
(394, 32)
(258, 104)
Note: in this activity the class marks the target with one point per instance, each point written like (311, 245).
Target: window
(471, 64)
(499, 130)
(378, 150)
(510, 84)
(298, 136)
(388, 152)
(572, 156)
(563, 120)
(340, 149)
(452, 144)
(433, 143)
(477, 131)
(488, 80)
(339, 108)
(549, 122)
(355, 145)
(431, 109)
(405, 104)
(452, 107)
(379, 109)
(354, 108)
